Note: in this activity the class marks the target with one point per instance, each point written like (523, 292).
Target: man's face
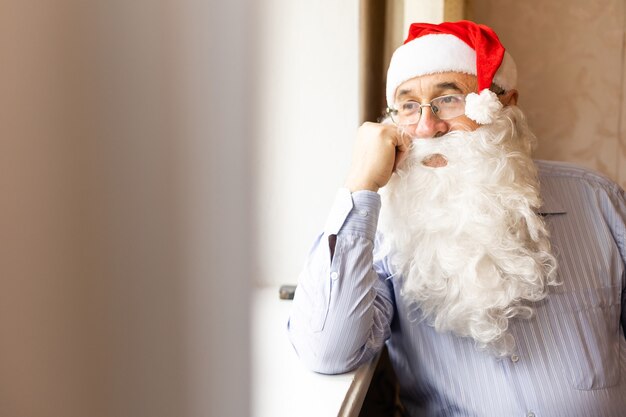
(425, 88)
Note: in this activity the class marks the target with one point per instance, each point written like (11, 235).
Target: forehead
(433, 85)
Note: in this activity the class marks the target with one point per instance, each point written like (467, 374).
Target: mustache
(436, 152)
(467, 136)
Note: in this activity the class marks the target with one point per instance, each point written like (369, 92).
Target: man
(496, 282)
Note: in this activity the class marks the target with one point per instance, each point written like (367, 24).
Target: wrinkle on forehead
(427, 87)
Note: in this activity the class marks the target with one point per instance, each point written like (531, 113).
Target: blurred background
(161, 159)
(126, 187)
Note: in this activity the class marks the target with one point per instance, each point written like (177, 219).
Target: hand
(377, 151)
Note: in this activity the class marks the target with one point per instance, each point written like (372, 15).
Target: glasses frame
(390, 111)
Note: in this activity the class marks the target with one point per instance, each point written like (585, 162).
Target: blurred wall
(125, 249)
(431, 11)
(572, 75)
(308, 106)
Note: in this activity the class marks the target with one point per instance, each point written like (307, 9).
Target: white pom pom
(483, 107)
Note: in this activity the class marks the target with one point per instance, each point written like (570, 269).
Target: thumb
(402, 149)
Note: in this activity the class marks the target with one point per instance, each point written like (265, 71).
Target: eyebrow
(448, 85)
(404, 92)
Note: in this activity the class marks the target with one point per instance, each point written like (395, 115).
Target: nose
(430, 126)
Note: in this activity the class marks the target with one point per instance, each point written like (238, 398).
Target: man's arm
(342, 308)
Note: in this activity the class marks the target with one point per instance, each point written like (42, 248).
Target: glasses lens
(408, 112)
(449, 107)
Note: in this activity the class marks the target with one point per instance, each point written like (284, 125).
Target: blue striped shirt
(570, 358)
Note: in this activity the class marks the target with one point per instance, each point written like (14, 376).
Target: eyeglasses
(444, 107)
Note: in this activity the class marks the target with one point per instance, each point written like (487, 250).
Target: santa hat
(462, 46)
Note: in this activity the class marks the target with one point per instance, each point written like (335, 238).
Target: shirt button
(515, 358)
(363, 212)
(334, 275)
(530, 414)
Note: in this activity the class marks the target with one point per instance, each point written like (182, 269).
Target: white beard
(465, 237)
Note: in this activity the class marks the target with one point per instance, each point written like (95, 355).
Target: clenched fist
(377, 151)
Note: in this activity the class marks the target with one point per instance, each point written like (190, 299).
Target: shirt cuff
(354, 213)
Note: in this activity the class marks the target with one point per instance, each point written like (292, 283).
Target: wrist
(356, 185)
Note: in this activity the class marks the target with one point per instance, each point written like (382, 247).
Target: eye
(449, 107)
(449, 100)
(409, 107)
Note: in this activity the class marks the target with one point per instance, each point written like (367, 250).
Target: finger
(400, 156)
(404, 141)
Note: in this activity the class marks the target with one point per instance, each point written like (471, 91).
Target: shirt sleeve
(343, 307)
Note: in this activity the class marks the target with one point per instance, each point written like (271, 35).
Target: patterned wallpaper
(571, 61)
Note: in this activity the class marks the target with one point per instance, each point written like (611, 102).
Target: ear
(509, 98)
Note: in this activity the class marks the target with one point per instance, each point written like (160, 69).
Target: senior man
(497, 282)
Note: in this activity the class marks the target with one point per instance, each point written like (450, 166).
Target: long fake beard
(466, 238)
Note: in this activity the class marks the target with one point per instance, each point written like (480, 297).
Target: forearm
(341, 311)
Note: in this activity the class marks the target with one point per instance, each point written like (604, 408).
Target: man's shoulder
(570, 174)
(567, 187)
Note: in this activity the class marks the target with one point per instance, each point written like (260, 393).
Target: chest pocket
(588, 333)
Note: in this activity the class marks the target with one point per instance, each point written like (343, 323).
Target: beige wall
(571, 62)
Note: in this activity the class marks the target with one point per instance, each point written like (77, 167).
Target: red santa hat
(462, 46)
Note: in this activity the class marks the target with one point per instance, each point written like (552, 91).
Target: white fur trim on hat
(436, 53)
